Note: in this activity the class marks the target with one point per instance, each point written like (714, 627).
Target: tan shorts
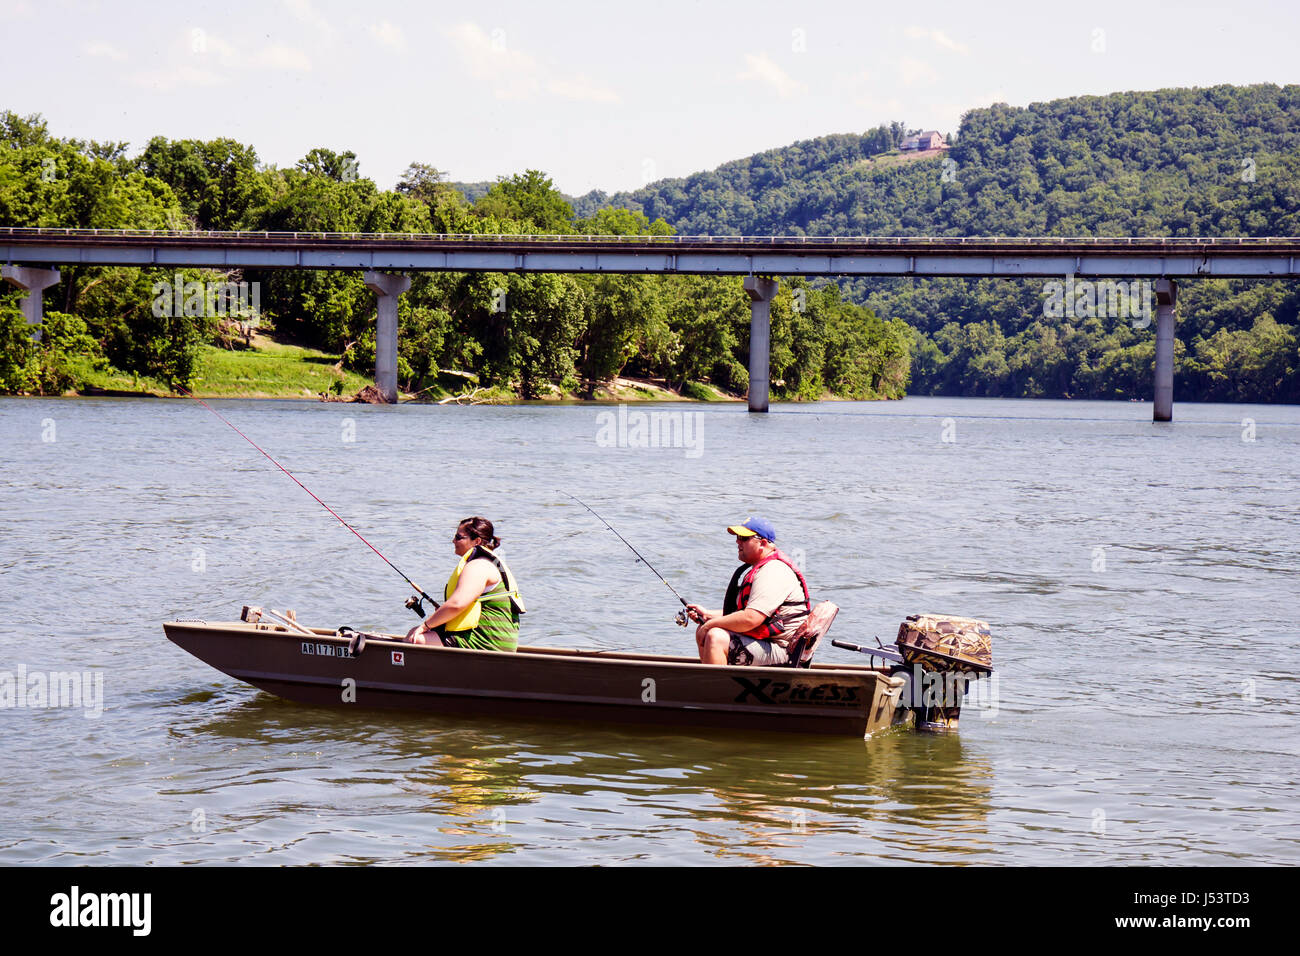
(752, 652)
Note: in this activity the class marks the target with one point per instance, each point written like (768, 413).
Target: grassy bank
(268, 370)
(274, 369)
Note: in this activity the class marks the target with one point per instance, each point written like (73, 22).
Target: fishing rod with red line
(415, 603)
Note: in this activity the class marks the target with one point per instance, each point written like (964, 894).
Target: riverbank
(271, 369)
(279, 370)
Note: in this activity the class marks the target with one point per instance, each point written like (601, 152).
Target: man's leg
(715, 646)
(752, 652)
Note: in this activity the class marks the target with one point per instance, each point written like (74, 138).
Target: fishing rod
(414, 603)
(681, 615)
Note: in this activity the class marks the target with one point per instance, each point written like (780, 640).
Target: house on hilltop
(927, 140)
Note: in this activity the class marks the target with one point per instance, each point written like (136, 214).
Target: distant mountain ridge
(1219, 160)
(1216, 161)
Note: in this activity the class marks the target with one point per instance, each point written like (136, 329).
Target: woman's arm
(470, 586)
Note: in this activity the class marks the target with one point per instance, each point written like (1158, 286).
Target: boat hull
(544, 683)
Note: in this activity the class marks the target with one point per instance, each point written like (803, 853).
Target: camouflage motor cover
(962, 640)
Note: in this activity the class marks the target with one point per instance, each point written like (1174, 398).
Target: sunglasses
(458, 536)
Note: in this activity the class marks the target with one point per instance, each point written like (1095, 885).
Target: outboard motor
(942, 654)
(937, 655)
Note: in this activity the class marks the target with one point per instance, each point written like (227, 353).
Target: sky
(597, 95)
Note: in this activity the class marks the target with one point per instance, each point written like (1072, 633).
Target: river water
(1140, 581)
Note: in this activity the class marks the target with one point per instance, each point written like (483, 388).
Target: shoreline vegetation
(269, 368)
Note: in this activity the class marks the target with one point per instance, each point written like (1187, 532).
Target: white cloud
(863, 90)
(916, 72)
(186, 76)
(582, 89)
(219, 52)
(304, 11)
(937, 37)
(761, 69)
(517, 75)
(277, 57)
(385, 33)
(512, 73)
(207, 60)
(226, 53)
(105, 50)
(850, 83)
(876, 110)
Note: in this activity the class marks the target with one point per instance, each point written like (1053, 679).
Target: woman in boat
(483, 604)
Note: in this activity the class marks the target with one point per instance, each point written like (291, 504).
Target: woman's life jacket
(468, 619)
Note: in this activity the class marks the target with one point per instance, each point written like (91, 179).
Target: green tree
(626, 319)
(529, 197)
(340, 167)
(448, 210)
(216, 182)
(61, 360)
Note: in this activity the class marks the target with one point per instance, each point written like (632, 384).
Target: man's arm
(770, 588)
(699, 614)
(738, 621)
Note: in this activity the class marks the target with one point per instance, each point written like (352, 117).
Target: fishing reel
(681, 618)
(416, 603)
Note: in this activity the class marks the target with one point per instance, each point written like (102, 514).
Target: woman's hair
(480, 528)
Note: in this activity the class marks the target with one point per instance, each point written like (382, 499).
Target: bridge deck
(979, 256)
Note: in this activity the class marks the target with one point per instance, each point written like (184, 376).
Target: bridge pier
(34, 282)
(386, 287)
(1166, 300)
(761, 291)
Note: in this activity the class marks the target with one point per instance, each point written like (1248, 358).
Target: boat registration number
(324, 650)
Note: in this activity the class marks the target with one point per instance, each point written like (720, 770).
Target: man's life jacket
(742, 583)
(468, 619)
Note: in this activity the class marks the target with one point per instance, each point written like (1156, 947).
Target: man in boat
(765, 603)
(483, 604)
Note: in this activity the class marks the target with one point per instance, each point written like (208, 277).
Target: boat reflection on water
(454, 791)
(900, 796)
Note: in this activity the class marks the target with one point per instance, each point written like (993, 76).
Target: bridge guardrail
(1010, 241)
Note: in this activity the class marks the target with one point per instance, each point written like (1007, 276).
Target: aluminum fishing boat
(332, 668)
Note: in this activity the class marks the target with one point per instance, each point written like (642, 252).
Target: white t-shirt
(774, 584)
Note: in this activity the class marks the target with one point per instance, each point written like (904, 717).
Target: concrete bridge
(32, 255)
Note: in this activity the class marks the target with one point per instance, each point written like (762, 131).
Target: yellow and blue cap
(754, 526)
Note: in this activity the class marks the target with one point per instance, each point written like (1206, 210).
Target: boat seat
(803, 644)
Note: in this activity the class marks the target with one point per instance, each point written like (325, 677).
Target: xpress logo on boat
(768, 690)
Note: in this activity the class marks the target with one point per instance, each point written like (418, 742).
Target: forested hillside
(1222, 161)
